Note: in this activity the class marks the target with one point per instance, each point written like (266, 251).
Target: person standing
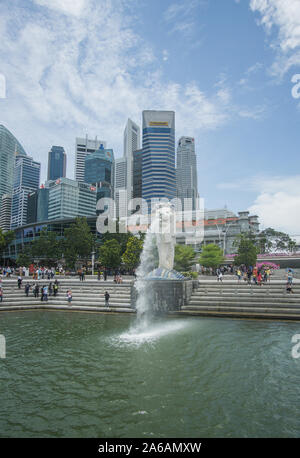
(105, 274)
(106, 296)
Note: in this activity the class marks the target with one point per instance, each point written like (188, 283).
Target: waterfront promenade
(228, 298)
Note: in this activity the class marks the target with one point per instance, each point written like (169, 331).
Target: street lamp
(93, 262)
(225, 233)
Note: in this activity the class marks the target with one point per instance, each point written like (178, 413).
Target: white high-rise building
(186, 172)
(83, 147)
(131, 144)
(120, 187)
(5, 213)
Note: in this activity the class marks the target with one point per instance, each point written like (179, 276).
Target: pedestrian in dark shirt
(27, 288)
(36, 290)
(107, 296)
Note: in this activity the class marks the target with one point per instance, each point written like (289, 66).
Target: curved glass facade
(9, 147)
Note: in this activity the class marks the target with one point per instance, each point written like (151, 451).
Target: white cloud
(180, 17)
(75, 7)
(283, 15)
(278, 203)
(69, 74)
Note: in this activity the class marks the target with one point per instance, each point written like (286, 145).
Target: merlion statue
(164, 226)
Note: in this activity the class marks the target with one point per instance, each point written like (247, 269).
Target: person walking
(259, 278)
(249, 275)
(106, 296)
(50, 289)
(36, 290)
(239, 274)
(289, 288)
(254, 275)
(1, 293)
(42, 293)
(19, 281)
(289, 276)
(27, 288)
(69, 296)
(45, 292)
(55, 288)
(105, 274)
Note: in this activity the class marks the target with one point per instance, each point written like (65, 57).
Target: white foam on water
(150, 334)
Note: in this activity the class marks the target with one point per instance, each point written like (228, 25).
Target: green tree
(120, 237)
(275, 240)
(184, 257)
(78, 243)
(47, 247)
(247, 252)
(24, 258)
(110, 254)
(132, 254)
(5, 239)
(211, 256)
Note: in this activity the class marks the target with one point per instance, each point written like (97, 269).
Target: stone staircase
(234, 299)
(87, 295)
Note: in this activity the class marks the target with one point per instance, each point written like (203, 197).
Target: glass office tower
(158, 175)
(26, 180)
(9, 147)
(57, 163)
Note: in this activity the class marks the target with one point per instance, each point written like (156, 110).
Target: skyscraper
(137, 173)
(131, 144)
(37, 205)
(26, 180)
(57, 163)
(99, 171)
(158, 175)
(9, 147)
(84, 146)
(5, 212)
(99, 166)
(120, 190)
(187, 185)
(70, 198)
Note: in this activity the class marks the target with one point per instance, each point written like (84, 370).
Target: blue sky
(224, 66)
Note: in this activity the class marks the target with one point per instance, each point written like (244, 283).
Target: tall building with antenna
(131, 144)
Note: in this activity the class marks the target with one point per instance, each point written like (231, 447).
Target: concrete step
(247, 297)
(236, 308)
(115, 309)
(244, 304)
(274, 315)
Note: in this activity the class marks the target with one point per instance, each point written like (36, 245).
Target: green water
(84, 375)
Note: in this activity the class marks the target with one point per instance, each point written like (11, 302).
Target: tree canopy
(110, 254)
(247, 251)
(47, 247)
(79, 242)
(211, 256)
(132, 254)
(184, 257)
